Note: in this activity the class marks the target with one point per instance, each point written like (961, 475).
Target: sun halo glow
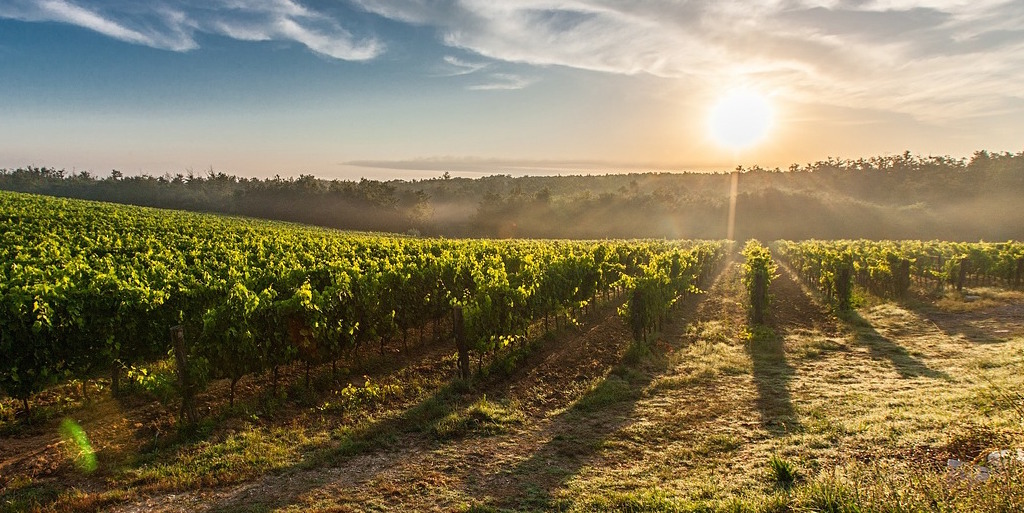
(740, 119)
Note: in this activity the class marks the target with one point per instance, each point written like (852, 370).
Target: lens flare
(80, 448)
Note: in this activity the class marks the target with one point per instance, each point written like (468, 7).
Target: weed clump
(784, 473)
(484, 417)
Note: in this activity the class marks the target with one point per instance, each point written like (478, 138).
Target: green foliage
(87, 286)
(823, 266)
(30, 352)
(662, 278)
(231, 339)
(354, 398)
(158, 380)
(889, 268)
(758, 272)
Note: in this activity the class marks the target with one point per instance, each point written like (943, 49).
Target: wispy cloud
(487, 81)
(457, 67)
(932, 59)
(174, 24)
(502, 82)
(937, 59)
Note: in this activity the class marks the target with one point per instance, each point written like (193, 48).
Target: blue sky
(411, 88)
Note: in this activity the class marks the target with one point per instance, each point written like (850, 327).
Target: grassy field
(809, 412)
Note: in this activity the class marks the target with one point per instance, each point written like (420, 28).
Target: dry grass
(975, 299)
(886, 390)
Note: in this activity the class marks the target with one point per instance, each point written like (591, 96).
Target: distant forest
(892, 197)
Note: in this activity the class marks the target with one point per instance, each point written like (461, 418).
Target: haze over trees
(888, 197)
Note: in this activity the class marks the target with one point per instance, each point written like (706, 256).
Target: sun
(741, 119)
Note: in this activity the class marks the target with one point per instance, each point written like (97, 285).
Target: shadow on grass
(274, 489)
(972, 333)
(577, 435)
(995, 324)
(33, 497)
(883, 348)
(772, 374)
(457, 409)
(792, 310)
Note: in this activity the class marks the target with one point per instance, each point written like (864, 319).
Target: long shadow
(772, 375)
(394, 434)
(1007, 321)
(879, 346)
(884, 348)
(791, 309)
(377, 437)
(577, 435)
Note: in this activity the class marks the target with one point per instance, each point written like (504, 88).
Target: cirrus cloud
(173, 24)
(937, 60)
(933, 59)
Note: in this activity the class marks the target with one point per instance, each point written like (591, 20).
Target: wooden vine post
(188, 414)
(902, 278)
(961, 276)
(759, 294)
(460, 342)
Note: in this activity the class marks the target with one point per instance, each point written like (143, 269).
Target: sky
(413, 88)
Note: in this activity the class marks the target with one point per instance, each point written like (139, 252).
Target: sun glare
(741, 119)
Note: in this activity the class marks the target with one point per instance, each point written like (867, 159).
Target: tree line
(901, 196)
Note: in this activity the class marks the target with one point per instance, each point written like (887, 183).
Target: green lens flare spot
(80, 448)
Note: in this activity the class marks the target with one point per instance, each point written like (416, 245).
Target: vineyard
(88, 286)
(220, 314)
(888, 268)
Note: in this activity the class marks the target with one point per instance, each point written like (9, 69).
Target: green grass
(238, 457)
(608, 391)
(27, 497)
(784, 473)
(483, 417)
